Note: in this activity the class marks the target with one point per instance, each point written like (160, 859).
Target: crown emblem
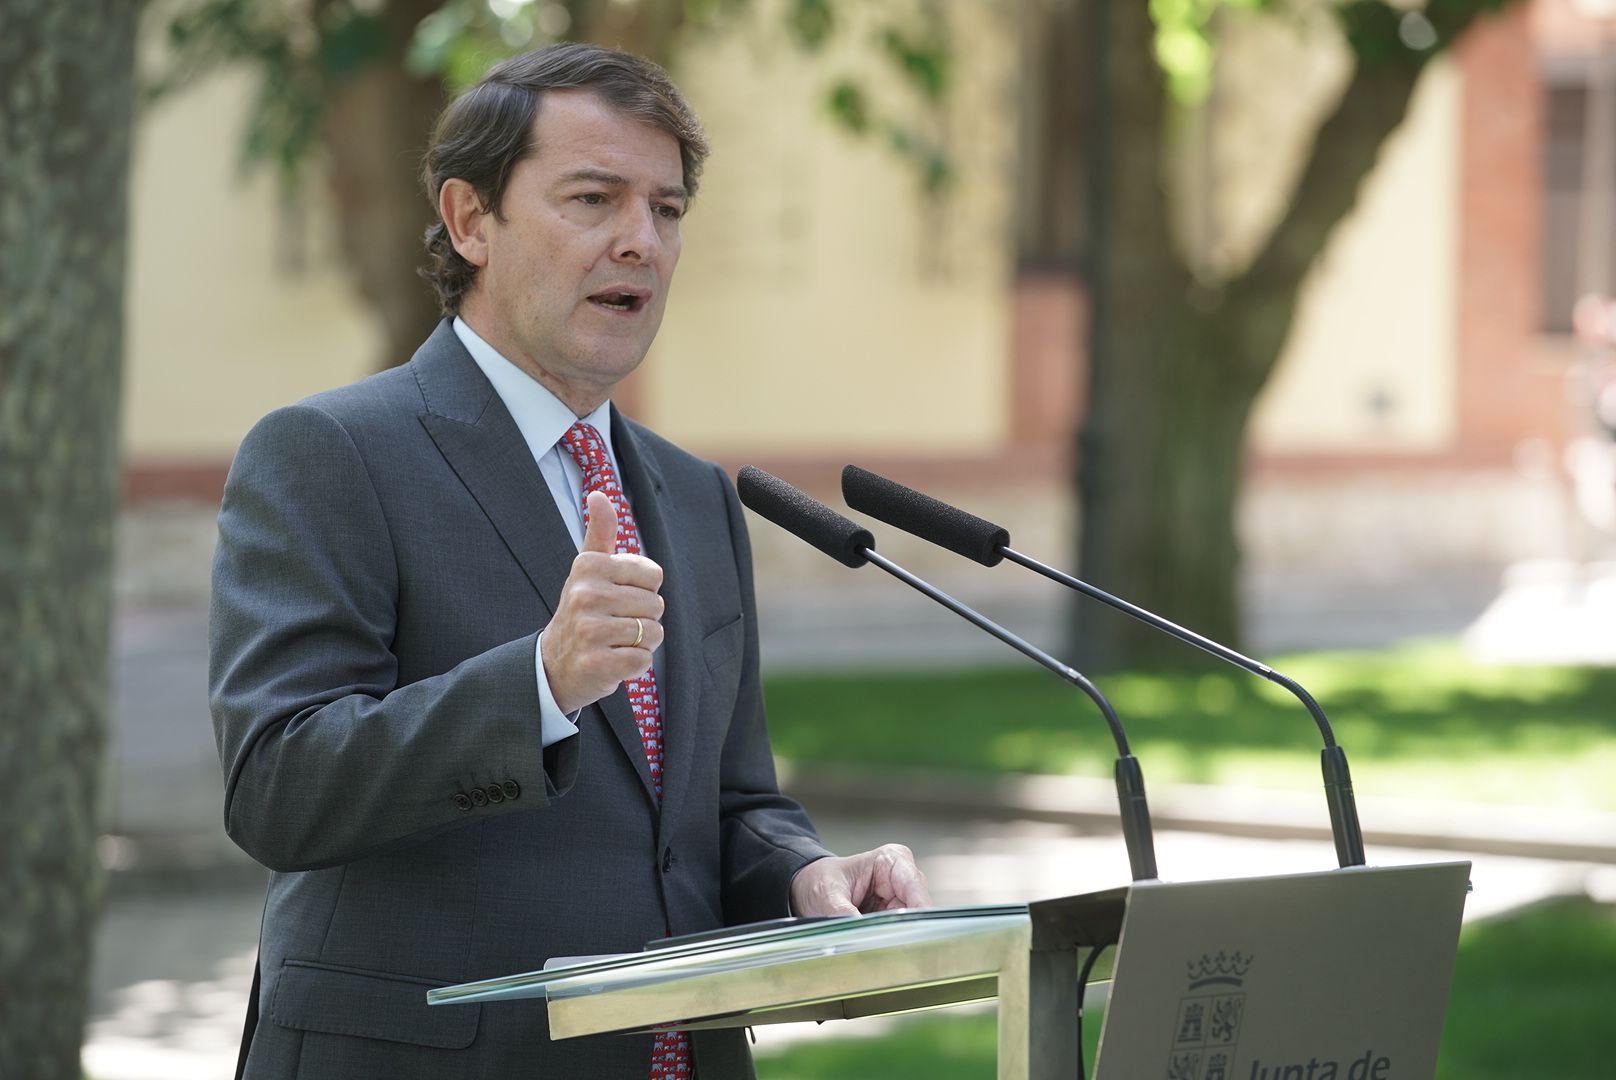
(1225, 968)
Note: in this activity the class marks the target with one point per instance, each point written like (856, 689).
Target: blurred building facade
(826, 312)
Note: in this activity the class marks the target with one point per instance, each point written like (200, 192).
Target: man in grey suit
(484, 669)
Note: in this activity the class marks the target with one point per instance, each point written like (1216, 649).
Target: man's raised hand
(589, 648)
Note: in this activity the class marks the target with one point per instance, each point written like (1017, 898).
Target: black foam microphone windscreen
(805, 518)
(928, 518)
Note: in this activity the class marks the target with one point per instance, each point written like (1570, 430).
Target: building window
(1564, 155)
(1562, 193)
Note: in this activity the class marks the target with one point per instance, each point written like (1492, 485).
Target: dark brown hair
(488, 130)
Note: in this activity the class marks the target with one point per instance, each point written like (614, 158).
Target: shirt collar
(540, 416)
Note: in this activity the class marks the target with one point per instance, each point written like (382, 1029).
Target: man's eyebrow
(599, 176)
(611, 179)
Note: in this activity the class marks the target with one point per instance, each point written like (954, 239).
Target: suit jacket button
(462, 801)
(511, 788)
(495, 793)
(479, 797)
(667, 860)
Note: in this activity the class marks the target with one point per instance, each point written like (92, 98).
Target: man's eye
(672, 213)
(593, 198)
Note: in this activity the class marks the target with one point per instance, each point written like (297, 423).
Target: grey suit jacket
(388, 553)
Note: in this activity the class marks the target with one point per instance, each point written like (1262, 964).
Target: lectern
(1338, 975)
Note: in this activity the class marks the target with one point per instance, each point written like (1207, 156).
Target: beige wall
(221, 328)
(820, 305)
(815, 305)
(1376, 317)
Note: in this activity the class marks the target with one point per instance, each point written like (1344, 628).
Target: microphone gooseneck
(984, 542)
(851, 545)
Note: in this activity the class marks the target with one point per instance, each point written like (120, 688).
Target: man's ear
(466, 219)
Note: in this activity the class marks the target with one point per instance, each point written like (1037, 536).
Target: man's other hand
(589, 648)
(878, 880)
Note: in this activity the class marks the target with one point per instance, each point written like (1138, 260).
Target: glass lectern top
(743, 947)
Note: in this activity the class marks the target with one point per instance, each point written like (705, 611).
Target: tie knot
(586, 446)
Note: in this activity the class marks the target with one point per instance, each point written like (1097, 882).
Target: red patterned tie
(670, 1057)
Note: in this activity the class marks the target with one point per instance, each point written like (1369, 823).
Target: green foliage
(1378, 33)
(919, 46)
(1383, 34)
(850, 106)
(297, 52)
(938, 1047)
(1531, 997)
(285, 52)
(462, 38)
(811, 23)
(1519, 734)
(932, 162)
(1184, 43)
(350, 41)
(923, 55)
(300, 50)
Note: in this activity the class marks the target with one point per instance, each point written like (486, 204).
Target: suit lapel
(679, 677)
(477, 437)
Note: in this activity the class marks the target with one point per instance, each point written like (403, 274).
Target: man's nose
(637, 237)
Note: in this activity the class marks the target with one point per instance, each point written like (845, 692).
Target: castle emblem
(1207, 1028)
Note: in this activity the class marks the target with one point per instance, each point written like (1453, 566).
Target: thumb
(601, 532)
(821, 889)
(841, 905)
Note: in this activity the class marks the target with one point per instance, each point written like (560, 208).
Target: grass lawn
(1533, 996)
(1417, 719)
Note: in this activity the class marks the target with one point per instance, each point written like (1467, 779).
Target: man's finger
(910, 886)
(894, 880)
(636, 571)
(601, 532)
(630, 602)
(647, 631)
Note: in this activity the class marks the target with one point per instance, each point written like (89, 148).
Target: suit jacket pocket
(722, 649)
(369, 1004)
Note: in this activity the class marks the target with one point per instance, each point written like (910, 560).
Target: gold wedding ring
(639, 634)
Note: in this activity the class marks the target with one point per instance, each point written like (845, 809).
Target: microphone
(852, 545)
(984, 542)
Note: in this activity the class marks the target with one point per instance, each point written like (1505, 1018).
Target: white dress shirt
(543, 419)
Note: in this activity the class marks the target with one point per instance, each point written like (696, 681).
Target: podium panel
(1335, 975)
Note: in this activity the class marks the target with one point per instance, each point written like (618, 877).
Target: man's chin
(611, 362)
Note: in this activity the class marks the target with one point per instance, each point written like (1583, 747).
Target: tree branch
(1346, 147)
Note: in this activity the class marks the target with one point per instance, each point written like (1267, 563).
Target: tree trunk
(1175, 366)
(648, 30)
(66, 83)
(377, 124)
(1050, 178)
(1155, 496)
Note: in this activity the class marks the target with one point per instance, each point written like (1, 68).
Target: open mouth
(619, 301)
